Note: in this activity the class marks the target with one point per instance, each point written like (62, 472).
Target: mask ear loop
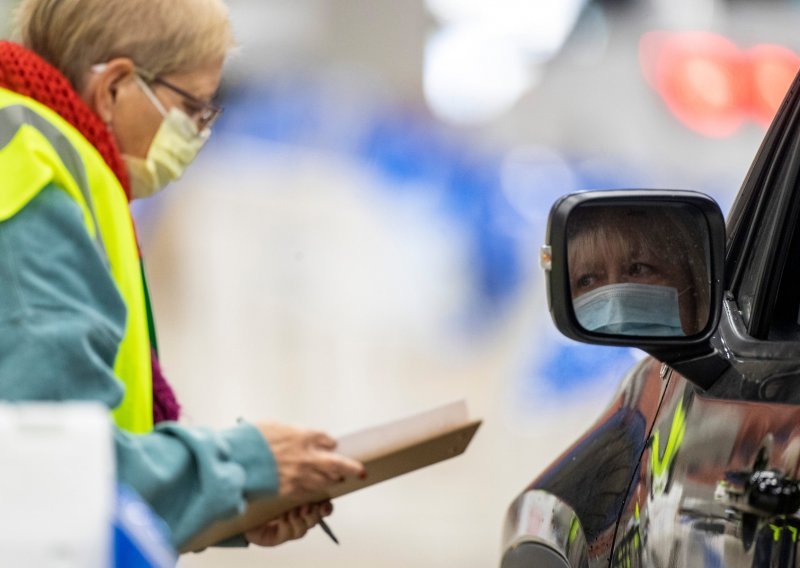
(100, 67)
(201, 134)
(150, 95)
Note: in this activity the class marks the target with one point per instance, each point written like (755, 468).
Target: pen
(324, 526)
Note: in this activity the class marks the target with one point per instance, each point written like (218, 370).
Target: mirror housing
(670, 349)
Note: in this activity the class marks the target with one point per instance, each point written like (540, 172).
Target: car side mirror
(642, 268)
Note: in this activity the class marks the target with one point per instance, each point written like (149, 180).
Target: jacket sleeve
(61, 322)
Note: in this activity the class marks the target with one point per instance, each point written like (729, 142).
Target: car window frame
(763, 220)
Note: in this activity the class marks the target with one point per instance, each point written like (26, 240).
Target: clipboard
(387, 451)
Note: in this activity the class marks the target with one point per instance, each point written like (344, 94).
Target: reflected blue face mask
(631, 309)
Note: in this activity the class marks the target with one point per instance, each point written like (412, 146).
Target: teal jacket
(61, 320)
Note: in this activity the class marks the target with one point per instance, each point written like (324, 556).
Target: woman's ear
(103, 84)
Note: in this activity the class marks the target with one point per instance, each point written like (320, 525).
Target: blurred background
(360, 238)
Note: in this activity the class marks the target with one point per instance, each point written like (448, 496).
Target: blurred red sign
(713, 86)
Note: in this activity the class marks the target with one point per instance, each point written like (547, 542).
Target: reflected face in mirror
(638, 270)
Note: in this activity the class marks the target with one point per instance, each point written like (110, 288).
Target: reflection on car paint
(673, 512)
(591, 478)
(661, 460)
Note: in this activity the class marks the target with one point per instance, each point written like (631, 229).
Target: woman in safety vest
(101, 102)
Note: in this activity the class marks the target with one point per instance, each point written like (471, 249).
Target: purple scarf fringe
(165, 404)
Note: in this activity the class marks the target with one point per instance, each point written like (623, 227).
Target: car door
(717, 481)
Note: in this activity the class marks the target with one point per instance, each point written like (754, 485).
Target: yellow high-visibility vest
(37, 148)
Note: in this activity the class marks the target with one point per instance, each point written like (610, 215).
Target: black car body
(696, 461)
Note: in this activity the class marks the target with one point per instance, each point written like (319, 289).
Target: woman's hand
(306, 460)
(289, 526)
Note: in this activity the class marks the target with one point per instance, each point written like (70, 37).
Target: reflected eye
(585, 281)
(641, 270)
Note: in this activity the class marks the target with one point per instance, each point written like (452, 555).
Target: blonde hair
(160, 36)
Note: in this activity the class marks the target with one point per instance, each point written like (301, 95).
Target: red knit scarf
(25, 73)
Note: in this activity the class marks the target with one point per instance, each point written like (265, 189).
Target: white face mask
(174, 147)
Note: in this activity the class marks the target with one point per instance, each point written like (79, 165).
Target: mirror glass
(639, 270)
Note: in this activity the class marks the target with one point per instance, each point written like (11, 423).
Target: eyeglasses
(204, 113)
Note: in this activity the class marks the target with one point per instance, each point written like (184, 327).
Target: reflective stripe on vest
(37, 148)
(12, 118)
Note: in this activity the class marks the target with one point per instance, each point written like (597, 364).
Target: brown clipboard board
(381, 466)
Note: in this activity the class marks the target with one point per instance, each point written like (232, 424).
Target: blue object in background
(415, 153)
(140, 537)
(571, 366)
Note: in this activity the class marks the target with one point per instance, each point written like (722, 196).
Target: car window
(784, 324)
(766, 277)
